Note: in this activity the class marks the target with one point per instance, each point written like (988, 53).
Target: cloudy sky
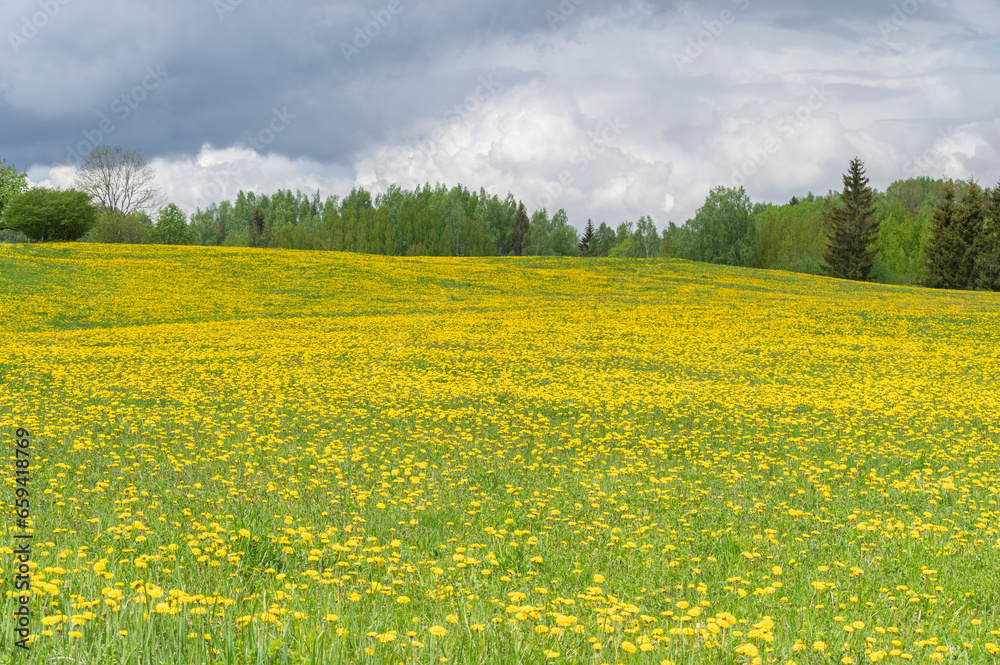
(610, 110)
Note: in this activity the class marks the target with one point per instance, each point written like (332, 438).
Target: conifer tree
(955, 239)
(852, 228)
(940, 261)
(988, 244)
(587, 239)
(521, 224)
(970, 226)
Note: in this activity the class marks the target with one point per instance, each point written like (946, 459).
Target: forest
(456, 221)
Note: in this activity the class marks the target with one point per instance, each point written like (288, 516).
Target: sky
(609, 110)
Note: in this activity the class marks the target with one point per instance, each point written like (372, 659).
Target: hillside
(307, 455)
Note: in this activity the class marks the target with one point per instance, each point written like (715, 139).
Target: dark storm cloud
(394, 90)
(230, 63)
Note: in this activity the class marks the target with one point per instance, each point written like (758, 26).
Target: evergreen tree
(970, 226)
(941, 264)
(957, 232)
(988, 245)
(521, 224)
(259, 236)
(852, 228)
(587, 239)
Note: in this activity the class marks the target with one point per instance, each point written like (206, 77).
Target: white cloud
(919, 102)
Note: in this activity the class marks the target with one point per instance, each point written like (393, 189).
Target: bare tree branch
(119, 180)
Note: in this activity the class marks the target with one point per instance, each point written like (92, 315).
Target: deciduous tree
(50, 214)
(172, 227)
(119, 180)
(12, 183)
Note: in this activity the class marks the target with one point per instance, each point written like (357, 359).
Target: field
(245, 456)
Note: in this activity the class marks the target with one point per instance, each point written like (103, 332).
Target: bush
(51, 215)
(115, 228)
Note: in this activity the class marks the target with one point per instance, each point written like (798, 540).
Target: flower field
(245, 456)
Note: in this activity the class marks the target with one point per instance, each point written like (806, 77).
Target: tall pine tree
(587, 239)
(939, 256)
(955, 229)
(852, 228)
(988, 244)
(971, 224)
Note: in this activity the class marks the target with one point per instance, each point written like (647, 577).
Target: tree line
(920, 231)
(938, 233)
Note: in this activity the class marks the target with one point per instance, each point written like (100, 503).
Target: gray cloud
(379, 92)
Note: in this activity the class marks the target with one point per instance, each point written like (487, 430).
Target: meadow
(269, 456)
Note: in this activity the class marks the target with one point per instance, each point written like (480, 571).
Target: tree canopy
(119, 180)
(49, 214)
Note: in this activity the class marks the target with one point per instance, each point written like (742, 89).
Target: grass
(250, 456)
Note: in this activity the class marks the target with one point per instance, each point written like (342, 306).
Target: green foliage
(791, 236)
(550, 237)
(604, 240)
(51, 215)
(941, 260)
(626, 249)
(259, 234)
(209, 227)
(134, 228)
(723, 231)
(647, 237)
(988, 245)
(962, 250)
(904, 214)
(852, 228)
(12, 183)
(586, 240)
(521, 224)
(438, 221)
(171, 227)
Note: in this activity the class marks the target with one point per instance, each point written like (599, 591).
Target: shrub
(50, 214)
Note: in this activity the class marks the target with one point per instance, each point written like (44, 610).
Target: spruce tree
(988, 244)
(521, 224)
(940, 261)
(970, 225)
(852, 228)
(587, 239)
(955, 239)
